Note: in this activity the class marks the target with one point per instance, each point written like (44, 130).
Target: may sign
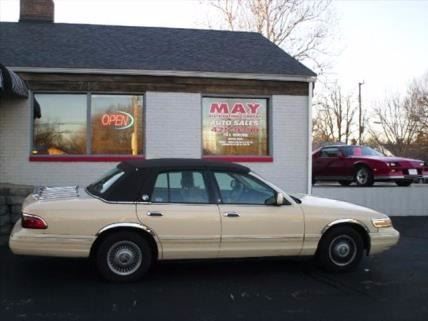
(236, 108)
(118, 120)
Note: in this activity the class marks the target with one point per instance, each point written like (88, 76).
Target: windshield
(108, 179)
(360, 151)
(276, 188)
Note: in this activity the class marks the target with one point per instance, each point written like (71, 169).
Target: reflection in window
(61, 124)
(61, 129)
(117, 124)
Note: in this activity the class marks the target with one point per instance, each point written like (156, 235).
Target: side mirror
(279, 199)
(341, 156)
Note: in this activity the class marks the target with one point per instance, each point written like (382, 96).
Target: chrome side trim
(276, 237)
(345, 220)
(137, 226)
(334, 178)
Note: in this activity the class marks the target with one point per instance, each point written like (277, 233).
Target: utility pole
(360, 125)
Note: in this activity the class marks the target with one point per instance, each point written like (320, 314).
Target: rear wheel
(364, 176)
(345, 183)
(404, 183)
(123, 256)
(340, 249)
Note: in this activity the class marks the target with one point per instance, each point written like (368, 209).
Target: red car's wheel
(364, 176)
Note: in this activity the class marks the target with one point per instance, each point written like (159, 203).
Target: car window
(243, 189)
(348, 151)
(180, 187)
(330, 152)
(106, 181)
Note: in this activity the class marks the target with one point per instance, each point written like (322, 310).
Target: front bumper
(384, 239)
(395, 174)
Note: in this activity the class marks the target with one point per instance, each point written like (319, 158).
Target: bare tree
(398, 125)
(300, 27)
(417, 101)
(334, 116)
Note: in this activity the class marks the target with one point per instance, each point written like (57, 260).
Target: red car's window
(357, 151)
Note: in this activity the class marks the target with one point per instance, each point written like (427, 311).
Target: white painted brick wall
(173, 129)
(391, 200)
(173, 125)
(290, 144)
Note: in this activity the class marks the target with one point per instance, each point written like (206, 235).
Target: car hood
(320, 202)
(318, 209)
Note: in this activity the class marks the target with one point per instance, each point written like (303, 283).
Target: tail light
(33, 222)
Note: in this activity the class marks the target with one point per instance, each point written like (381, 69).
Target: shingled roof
(60, 45)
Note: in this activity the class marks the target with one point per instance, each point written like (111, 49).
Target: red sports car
(363, 165)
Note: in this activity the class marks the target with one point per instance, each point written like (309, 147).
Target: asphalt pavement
(390, 286)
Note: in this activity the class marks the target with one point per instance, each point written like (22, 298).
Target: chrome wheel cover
(342, 250)
(124, 258)
(362, 176)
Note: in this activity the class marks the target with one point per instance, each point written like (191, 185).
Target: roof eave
(172, 73)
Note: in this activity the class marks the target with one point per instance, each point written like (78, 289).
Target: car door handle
(154, 214)
(231, 214)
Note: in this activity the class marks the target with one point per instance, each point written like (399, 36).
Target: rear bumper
(383, 240)
(34, 242)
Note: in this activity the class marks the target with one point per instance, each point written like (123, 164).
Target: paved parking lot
(391, 286)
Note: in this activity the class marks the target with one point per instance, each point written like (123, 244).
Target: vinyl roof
(184, 163)
(83, 46)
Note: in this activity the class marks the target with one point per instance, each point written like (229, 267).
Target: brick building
(93, 95)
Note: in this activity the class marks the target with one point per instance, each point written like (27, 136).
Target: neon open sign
(118, 120)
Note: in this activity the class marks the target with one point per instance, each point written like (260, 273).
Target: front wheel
(340, 249)
(364, 176)
(404, 183)
(123, 256)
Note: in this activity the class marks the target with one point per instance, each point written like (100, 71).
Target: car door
(251, 227)
(330, 164)
(182, 215)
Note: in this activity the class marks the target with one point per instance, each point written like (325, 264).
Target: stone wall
(11, 198)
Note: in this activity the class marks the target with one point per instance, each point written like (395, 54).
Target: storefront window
(235, 126)
(115, 125)
(61, 129)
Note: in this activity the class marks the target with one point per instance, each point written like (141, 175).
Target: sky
(383, 43)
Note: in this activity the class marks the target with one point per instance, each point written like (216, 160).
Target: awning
(11, 84)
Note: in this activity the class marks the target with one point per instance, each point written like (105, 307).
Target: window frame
(218, 191)
(88, 157)
(269, 129)
(332, 148)
(205, 177)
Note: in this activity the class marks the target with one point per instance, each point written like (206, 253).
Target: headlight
(392, 164)
(381, 222)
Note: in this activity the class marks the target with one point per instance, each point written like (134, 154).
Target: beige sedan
(166, 209)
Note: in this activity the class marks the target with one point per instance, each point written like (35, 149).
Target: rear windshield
(101, 186)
